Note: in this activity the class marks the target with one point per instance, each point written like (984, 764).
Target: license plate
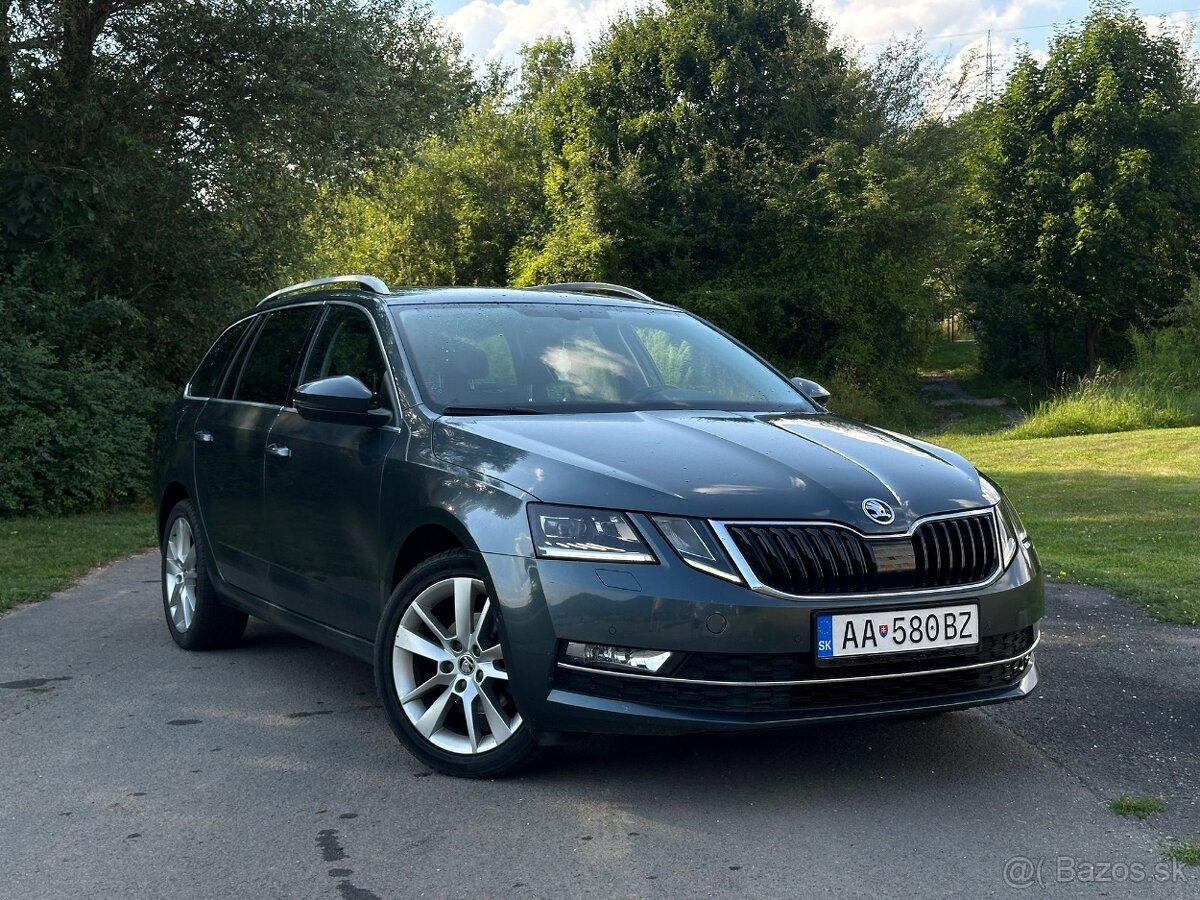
(871, 633)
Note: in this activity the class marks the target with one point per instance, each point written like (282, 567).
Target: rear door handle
(204, 437)
(279, 450)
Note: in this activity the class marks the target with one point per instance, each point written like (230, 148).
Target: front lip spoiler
(811, 681)
(572, 711)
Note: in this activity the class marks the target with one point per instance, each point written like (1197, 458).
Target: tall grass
(1161, 389)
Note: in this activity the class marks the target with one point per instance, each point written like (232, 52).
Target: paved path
(133, 769)
(944, 393)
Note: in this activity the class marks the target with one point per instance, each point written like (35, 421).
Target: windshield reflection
(480, 358)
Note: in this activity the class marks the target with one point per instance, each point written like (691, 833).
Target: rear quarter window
(207, 377)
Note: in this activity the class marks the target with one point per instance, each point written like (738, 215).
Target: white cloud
(1177, 25)
(873, 22)
(498, 28)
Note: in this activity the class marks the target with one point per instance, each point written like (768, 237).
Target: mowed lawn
(1121, 510)
(39, 556)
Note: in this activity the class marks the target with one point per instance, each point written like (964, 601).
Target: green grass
(1186, 852)
(971, 418)
(1109, 403)
(1139, 807)
(957, 358)
(1120, 510)
(1160, 388)
(39, 556)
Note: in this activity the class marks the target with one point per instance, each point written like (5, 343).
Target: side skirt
(305, 627)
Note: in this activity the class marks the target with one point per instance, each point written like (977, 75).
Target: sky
(951, 28)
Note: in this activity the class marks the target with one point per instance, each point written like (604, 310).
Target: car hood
(714, 464)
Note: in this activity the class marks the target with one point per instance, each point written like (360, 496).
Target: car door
(322, 497)
(231, 445)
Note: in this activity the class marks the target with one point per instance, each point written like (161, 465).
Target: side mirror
(343, 400)
(811, 389)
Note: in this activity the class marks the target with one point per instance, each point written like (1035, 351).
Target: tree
(449, 213)
(156, 161)
(1084, 204)
(726, 155)
(158, 155)
(454, 210)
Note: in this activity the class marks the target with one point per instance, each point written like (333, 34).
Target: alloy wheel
(448, 669)
(179, 575)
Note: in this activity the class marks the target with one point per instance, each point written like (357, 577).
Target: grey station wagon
(569, 509)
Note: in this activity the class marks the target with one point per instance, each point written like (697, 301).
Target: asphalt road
(134, 769)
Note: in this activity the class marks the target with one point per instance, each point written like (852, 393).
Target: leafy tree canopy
(1084, 198)
(158, 155)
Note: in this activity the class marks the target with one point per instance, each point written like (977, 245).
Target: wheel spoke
(176, 543)
(489, 670)
(414, 643)
(432, 624)
(482, 623)
(470, 715)
(464, 588)
(496, 721)
(174, 602)
(189, 561)
(422, 689)
(491, 654)
(431, 720)
(172, 567)
(188, 602)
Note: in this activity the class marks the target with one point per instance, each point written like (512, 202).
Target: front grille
(824, 559)
(793, 698)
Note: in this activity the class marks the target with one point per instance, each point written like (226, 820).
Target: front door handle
(279, 450)
(204, 437)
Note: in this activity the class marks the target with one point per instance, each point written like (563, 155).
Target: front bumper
(748, 660)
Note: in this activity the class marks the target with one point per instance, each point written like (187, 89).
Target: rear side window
(208, 374)
(346, 345)
(267, 373)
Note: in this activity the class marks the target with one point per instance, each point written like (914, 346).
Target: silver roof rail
(595, 287)
(365, 282)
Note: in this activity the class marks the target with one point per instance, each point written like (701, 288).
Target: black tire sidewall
(214, 625)
(513, 754)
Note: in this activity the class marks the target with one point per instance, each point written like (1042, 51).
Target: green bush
(72, 437)
(896, 410)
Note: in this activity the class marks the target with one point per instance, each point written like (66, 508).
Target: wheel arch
(172, 494)
(438, 532)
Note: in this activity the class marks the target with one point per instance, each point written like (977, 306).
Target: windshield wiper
(490, 411)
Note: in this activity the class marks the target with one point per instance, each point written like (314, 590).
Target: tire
(444, 688)
(196, 617)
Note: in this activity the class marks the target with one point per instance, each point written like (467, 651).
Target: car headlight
(1012, 531)
(598, 535)
(697, 546)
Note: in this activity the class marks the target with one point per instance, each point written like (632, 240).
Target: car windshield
(485, 358)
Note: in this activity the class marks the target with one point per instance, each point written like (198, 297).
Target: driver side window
(346, 345)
